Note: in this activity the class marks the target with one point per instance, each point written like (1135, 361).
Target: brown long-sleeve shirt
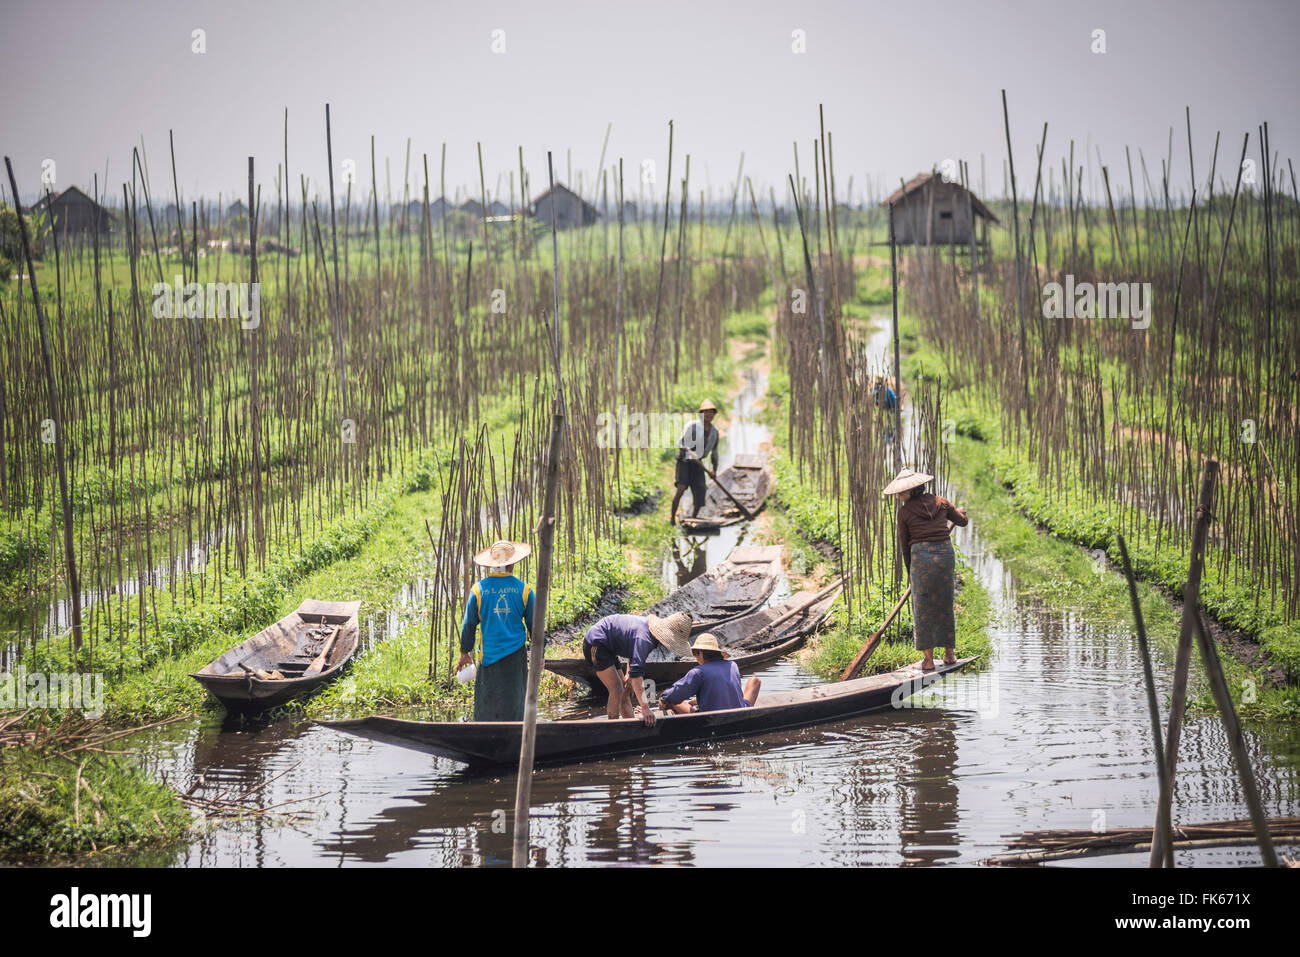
(925, 519)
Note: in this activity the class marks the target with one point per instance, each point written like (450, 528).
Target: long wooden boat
(736, 587)
(489, 743)
(750, 641)
(749, 478)
(270, 668)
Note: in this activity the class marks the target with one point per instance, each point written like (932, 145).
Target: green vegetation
(56, 804)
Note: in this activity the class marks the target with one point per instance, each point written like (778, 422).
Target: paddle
(749, 516)
(869, 648)
(318, 663)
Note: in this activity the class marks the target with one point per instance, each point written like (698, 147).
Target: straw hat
(707, 406)
(503, 554)
(706, 642)
(673, 632)
(907, 478)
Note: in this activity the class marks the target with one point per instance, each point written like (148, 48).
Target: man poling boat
(923, 531)
(699, 441)
(632, 637)
(500, 606)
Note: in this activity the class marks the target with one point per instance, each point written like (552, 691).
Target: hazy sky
(905, 86)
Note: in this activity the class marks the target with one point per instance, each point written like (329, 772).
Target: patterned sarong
(933, 573)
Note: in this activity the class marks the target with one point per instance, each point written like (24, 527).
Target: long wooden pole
(898, 367)
(749, 516)
(65, 500)
(1149, 679)
(1191, 595)
(546, 542)
(1236, 743)
(869, 648)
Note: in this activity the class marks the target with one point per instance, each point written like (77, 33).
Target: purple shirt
(625, 636)
(715, 685)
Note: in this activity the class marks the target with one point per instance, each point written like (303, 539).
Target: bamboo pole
(1148, 678)
(65, 498)
(1236, 743)
(546, 541)
(1191, 595)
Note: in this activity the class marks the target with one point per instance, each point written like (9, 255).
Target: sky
(904, 86)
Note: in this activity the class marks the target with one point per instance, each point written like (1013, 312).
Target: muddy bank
(611, 602)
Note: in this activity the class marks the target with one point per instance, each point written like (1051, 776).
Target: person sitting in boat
(931, 564)
(714, 683)
(699, 441)
(501, 607)
(632, 637)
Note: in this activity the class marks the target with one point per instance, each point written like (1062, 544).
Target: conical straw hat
(907, 478)
(503, 554)
(673, 632)
(705, 642)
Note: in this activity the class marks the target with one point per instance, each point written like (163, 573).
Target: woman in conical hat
(923, 530)
(501, 606)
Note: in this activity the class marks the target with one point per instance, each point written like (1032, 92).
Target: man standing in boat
(699, 441)
(501, 607)
(632, 637)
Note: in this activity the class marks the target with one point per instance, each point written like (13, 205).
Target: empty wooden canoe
(269, 668)
(751, 641)
(489, 743)
(749, 478)
(737, 587)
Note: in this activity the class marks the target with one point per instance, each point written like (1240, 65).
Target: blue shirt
(503, 605)
(625, 636)
(715, 685)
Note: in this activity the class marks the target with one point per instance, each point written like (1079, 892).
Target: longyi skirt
(500, 687)
(933, 574)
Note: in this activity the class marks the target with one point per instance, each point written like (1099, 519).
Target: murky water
(1055, 734)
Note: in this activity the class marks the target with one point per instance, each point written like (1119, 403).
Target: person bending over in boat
(501, 606)
(923, 531)
(699, 441)
(714, 683)
(632, 637)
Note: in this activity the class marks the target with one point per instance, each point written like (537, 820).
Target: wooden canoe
(751, 641)
(241, 678)
(494, 743)
(749, 478)
(736, 587)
